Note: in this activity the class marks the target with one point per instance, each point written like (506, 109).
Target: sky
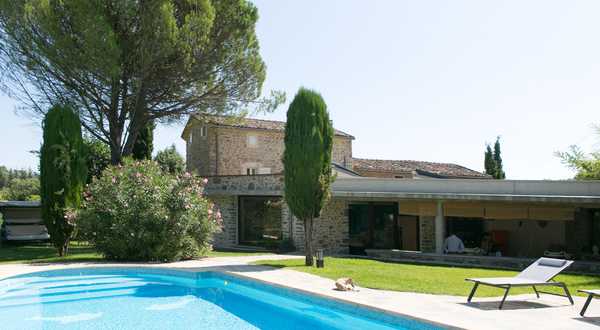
(422, 80)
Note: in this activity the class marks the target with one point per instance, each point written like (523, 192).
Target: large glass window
(260, 221)
(374, 225)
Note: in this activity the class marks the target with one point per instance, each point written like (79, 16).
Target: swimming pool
(148, 298)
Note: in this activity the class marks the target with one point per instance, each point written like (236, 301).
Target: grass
(78, 252)
(39, 253)
(420, 278)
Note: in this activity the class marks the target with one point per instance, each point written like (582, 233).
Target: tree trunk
(308, 224)
(115, 155)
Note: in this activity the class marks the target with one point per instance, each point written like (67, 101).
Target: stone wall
(245, 185)
(427, 233)
(341, 152)
(236, 154)
(201, 152)
(228, 205)
(330, 230)
(227, 151)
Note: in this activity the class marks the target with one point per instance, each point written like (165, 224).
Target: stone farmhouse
(385, 207)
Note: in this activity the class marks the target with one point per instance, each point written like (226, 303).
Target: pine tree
(489, 163)
(144, 143)
(498, 160)
(307, 160)
(62, 174)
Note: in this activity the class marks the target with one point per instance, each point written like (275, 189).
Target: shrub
(97, 156)
(23, 189)
(138, 212)
(170, 160)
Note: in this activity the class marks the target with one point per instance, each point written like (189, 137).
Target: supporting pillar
(440, 228)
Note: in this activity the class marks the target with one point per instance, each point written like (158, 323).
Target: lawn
(38, 253)
(419, 278)
(78, 252)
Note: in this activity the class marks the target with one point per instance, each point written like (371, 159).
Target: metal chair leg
(473, 292)
(564, 286)
(587, 303)
(536, 291)
(504, 298)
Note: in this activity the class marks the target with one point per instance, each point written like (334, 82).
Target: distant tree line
(19, 184)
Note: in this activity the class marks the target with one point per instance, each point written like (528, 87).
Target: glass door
(373, 226)
(385, 227)
(360, 228)
(260, 221)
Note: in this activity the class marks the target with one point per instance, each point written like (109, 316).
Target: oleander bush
(136, 211)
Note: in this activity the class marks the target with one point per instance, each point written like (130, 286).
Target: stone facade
(427, 233)
(215, 150)
(330, 229)
(267, 184)
(228, 205)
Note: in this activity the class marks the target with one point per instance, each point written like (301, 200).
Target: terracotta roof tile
(252, 123)
(444, 170)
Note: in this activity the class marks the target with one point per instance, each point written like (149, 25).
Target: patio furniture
(539, 273)
(591, 295)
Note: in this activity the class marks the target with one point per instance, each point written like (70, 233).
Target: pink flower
(210, 212)
(205, 181)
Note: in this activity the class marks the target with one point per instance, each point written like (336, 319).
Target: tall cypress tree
(307, 160)
(62, 174)
(489, 163)
(144, 143)
(498, 160)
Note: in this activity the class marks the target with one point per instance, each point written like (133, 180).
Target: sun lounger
(591, 294)
(539, 273)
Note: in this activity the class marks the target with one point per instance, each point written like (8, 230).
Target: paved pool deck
(520, 311)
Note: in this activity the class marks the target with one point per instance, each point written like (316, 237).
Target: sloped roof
(252, 123)
(341, 169)
(20, 204)
(441, 170)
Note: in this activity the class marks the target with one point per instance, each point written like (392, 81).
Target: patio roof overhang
(580, 193)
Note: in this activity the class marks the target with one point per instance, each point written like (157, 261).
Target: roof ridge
(229, 116)
(247, 122)
(438, 168)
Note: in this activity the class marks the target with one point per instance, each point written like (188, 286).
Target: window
(259, 221)
(190, 137)
(202, 131)
(250, 171)
(252, 141)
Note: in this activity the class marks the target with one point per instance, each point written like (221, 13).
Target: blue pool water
(133, 298)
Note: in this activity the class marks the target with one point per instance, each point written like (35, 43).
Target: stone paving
(520, 311)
